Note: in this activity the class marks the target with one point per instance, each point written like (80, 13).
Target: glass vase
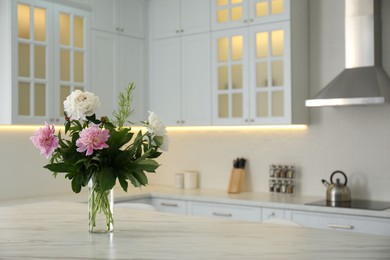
(100, 208)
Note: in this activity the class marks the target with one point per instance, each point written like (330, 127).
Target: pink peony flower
(45, 140)
(92, 138)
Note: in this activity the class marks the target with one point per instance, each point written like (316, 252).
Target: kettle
(337, 192)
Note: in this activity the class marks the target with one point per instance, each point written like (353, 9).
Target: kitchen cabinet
(179, 17)
(340, 222)
(228, 14)
(180, 79)
(118, 60)
(126, 17)
(119, 54)
(170, 205)
(226, 211)
(49, 59)
(260, 72)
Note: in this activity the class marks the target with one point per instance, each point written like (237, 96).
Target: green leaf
(107, 178)
(148, 165)
(123, 182)
(158, 140)
(141, 177)
(60, 167)
(76, 185)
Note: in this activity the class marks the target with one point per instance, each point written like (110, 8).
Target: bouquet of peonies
(101, 150)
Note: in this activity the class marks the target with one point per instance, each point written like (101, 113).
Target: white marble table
(59, 230)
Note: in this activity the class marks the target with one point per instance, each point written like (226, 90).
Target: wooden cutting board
(236, 180)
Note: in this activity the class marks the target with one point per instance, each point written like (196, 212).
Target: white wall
(353, 139)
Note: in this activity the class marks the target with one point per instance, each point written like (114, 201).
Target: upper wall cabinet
(119, 54)
(179, 17)
(260, 71)
(120, 16)
(236, 13)
(48, 46)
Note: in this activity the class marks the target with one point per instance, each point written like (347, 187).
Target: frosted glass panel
(236, 1)
(23, 21)
(24, 99)
(78, 32)
(277, 6)
(237, 76)
(65, 65)
(79, 88)
(237, 13)
(64, 93)
(262, 104)
(65, 29)
(223, 80)
(78, 66)
(237, 105)
(24, 60)
(277, 43)
(261, 9)
(237, 45)
(223, 106)
(261, 74)
(223, 49)
(223, 16)
(222, 2)
(39, 24)
(39, 100)
(40, 62)
(277, 73)
(261, 44)
(277, 103)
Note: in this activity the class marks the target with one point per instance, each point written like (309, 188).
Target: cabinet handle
(182, 30)
(178, 122)
(57, 120)
(182, 122)
(340, 226)
(251, 20)
(252, 120)
(177, 31)
(118, 29)
(169, 204)
(272, 215)
(51, 119)
(245, 21)
(122, 30)
(228, 215)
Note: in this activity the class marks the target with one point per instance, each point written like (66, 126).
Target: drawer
(369, 225)
(169, 205)
(226, 211)
(268, 213)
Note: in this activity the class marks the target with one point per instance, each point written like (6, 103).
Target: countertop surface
(59, 230)
(261, 199)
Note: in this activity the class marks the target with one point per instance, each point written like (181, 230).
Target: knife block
(236, 180)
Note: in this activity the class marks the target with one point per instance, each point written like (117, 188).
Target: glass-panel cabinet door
(229, 13)
(33, 73)
(230, 77)
(70, 54)
(270, 73)
(261, 11)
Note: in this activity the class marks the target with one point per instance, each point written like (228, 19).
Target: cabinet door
(265, 11)
(132, 15)
(131, 57)
(195, 16)
(230, 77)
(165, 97)
(196, 79)
(165, 18)
(105, 69)
(270, 70)
(104, 15)
(71, 54)
(227, 14)
(32, 78)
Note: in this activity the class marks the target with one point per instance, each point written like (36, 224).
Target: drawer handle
(227, 215)
(340, 226)
(169, 204)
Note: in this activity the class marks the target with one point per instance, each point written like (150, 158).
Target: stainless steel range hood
(363, 81)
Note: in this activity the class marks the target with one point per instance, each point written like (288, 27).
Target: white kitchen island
(59, 230)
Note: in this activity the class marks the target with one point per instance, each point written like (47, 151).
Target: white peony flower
(165, 144)
(155, 125)
(80, 104)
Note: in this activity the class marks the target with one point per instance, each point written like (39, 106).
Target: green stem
(99, 203)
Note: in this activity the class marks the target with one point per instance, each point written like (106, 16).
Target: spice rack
(282, 179)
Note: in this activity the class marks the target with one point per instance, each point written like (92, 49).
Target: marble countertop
(261, 199)
(59, 230)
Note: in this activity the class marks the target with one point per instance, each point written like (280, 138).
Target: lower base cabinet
(226, 211)
(360, 224)
(170, 205)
